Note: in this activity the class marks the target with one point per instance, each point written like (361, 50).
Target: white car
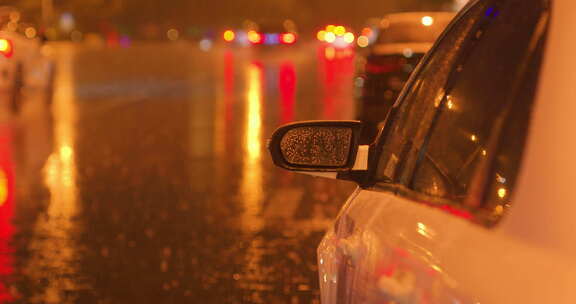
(466, 194)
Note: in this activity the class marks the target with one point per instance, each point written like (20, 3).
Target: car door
(444, 170)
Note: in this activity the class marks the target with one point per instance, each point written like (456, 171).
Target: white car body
(390, 249)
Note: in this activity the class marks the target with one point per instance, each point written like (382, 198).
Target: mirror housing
(323, 148)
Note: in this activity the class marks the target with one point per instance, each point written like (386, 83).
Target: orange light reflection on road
(251, 184)
(55, 232)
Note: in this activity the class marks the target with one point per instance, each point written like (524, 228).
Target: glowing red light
(288, 38)
(254, 37)
(6, 48)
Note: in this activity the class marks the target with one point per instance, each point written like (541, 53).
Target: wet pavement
(146, 180)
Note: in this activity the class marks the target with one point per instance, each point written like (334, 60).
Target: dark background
(132, 15)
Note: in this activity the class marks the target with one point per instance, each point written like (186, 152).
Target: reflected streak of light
(251, 185)
(330, 53)
(254, 115)
(3, 188)
(335, 76)
(6, 214)
(229, 81)
(287, 84)
(55, 232)
(222, 113)
(425, 231)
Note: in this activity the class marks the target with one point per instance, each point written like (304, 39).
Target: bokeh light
(329, 37)
(427, 21)
(363, 41)
(321, 35)
(349, 37)
(30, 32)
(339, 30)
(173, 34)
(288, 38)
(229, 36)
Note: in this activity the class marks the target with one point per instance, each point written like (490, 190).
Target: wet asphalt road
(147, 180)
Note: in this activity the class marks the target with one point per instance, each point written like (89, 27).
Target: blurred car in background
(272, 33)
(401, 41)
(22, 60)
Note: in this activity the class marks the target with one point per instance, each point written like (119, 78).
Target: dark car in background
(273, 33)
(402, 40)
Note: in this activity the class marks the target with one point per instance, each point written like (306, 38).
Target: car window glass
(462, 133)
(416, 110)
(504, 171)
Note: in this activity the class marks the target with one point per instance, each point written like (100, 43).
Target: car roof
(406, 21)
(416, 17)
(400, 48)
(545, 205)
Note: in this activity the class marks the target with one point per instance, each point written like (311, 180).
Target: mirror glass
(322, 146)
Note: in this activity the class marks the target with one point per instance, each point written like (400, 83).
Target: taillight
(6, 48)
(229, 36)
(382, 68)
(254, 37)
(378, 64)
(288, 38)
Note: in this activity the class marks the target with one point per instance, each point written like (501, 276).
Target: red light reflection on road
(229, 82)
(224, 105)
(336, 71)
(6, 212)
(287, 85)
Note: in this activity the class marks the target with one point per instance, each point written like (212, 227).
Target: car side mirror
(321, 148)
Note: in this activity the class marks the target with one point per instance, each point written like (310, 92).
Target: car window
(467, 119)
(487, 95)
(415, 112)
(504, 170)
